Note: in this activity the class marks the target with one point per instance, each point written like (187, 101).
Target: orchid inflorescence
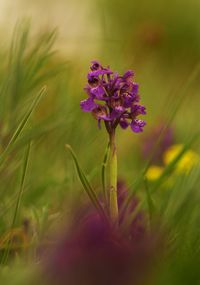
(113, 98)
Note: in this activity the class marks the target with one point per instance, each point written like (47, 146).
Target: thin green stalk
(20, 193)
(103, 173)
(113, 179)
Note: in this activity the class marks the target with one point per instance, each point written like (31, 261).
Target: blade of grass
(21, 126)
(150, 202)
(19, 197)
(86, 185)
(183, 195)
(34, 133)
(40, 54)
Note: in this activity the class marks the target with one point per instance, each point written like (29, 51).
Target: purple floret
(88, 105)
(137, 125)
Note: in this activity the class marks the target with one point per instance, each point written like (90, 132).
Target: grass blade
(150, 202)
(85, 183)
(19, 197)
(21, 125)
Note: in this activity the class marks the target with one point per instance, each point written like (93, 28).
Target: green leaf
(86, 185)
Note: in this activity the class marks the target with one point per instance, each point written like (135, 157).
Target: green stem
(113, 179)
(103, 175)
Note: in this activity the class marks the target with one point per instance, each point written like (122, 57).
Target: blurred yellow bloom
(154, 172)
(188, 160)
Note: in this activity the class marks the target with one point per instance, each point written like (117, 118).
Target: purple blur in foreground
(94, 253)
(113, 98)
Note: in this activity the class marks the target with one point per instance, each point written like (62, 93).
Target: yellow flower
(154, 172)
(188, 160)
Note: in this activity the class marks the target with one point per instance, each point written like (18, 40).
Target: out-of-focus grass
(163, 70)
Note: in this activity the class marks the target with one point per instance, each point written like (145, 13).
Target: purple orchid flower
(113, 98)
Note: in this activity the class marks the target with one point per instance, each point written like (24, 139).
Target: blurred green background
(51, 43)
